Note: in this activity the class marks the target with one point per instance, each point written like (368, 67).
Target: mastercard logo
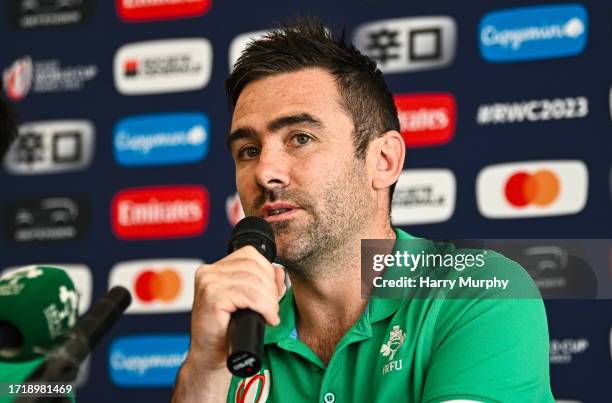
(540, 188)
(157, 285)
(532, 189)
(163, 285)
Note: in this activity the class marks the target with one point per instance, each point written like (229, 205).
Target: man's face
(293, 147)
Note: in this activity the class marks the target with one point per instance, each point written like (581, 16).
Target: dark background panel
(469, 78)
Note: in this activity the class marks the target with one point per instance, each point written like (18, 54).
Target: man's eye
(302, 138)
(248, 152)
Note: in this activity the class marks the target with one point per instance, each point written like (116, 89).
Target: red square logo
(160, 212)
(426, 119)
(143, 10)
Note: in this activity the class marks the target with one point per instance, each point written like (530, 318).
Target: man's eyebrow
(301, 118)
(277, 124)
(241, 133)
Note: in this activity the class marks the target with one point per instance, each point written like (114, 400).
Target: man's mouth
(277, 211)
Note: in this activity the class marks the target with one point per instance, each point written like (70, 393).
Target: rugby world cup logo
(254, 389)
(17, 78)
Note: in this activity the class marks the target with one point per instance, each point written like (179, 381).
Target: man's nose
(272, 169)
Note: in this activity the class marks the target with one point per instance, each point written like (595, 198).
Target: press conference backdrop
(121, 173)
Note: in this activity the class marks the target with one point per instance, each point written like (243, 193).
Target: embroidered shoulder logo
(396, 339)
(388, 349)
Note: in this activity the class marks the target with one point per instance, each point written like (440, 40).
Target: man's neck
(328, 305)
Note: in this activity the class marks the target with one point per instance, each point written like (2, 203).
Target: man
(317, 150)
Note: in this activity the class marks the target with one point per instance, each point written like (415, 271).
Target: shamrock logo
(396, 339)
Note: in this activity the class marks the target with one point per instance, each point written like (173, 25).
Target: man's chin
(285, 228)
(283, 239)
(287, 243)
(290, 236)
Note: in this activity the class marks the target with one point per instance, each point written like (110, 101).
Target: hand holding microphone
(246, 327)
(243, 280)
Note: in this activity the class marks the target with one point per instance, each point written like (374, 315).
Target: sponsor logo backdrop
(122, 175)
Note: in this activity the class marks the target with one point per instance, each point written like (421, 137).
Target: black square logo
(425, 44)
(67, 147)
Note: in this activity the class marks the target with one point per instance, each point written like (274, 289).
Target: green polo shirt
(413, 350)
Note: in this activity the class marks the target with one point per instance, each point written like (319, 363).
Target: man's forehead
(308, 91)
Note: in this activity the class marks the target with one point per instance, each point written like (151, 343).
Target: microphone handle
(246, 335)
(247, 327)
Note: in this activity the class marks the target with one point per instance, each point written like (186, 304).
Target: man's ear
(387, 154)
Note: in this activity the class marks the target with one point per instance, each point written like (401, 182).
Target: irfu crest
(396, 339)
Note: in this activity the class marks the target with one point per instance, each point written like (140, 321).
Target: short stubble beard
(319, 249)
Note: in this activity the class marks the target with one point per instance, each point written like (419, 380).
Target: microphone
(246, 327)
(62, 363)
(38, 305)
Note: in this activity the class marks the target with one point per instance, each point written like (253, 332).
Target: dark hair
(303, 43)
(8, 127)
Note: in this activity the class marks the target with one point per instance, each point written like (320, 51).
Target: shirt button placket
(329, 398)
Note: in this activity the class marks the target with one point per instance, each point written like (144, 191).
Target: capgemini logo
(538, 32)
(147, 360)
(162, 139)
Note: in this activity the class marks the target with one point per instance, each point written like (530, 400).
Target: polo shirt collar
(287, 327)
